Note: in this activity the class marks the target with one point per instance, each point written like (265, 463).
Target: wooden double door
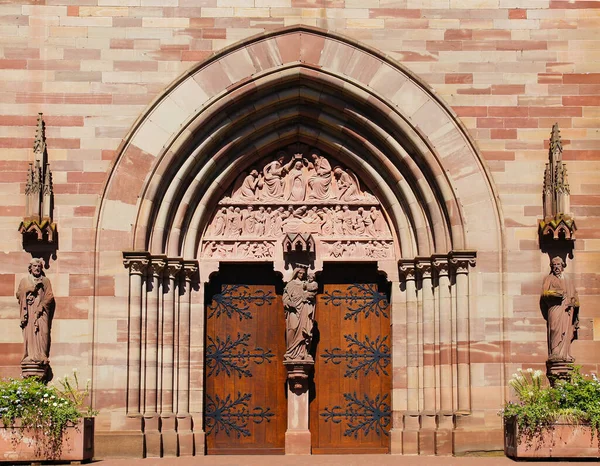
(245, 379)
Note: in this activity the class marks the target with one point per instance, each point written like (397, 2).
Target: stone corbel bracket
(298, 374)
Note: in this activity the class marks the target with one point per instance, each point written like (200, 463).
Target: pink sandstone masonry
(504, 73)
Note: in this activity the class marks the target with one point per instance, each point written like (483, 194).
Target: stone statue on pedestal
(560, 308)
(299, 304)
(37, 305)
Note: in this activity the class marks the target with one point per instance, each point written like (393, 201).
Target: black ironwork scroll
(366, 415)
(361, 298)
(236, 299)
(231, 416)
(361, 356)
(232, 356)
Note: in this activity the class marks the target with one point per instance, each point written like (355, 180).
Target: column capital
(136, 261)
(424, 266)
(461, 260)
(190, 269)
(406, 268)
(441, 264)
(158, 263)
(174, 267)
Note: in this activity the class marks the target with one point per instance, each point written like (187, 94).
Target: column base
(185, 436)
(297, 442)
(444, 440)
(169, 436)
(152, 436)
(199, 443)
(396, 441)
(427, 434)
(410, 434)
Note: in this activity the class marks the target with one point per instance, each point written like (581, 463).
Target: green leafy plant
(43, 412)
(540, 406)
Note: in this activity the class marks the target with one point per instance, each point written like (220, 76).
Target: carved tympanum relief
(298, 194)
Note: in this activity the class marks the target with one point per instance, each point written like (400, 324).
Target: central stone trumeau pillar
(297, 436)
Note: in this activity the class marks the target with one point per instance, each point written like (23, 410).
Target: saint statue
(299, 304)
(37, 310)
(560, 308)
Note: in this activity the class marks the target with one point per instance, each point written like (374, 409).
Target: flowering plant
(540, 406)
(43, 411)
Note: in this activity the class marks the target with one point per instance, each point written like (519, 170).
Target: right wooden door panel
(351, 409)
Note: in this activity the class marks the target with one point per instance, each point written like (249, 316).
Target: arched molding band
(424, 210)
(443, 144)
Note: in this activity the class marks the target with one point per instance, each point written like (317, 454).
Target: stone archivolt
(300, 196)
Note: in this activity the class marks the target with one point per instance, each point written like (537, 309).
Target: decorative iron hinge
(361, 298)
(232, 356)
(236, 299)
(366, 356)
(232, 415)
(366, 415)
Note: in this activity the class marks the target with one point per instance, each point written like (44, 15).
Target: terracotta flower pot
(563, 440)
(78, 444)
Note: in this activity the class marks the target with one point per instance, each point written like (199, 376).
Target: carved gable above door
(298, 191)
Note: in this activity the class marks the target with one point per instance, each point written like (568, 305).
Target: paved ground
(325, 460)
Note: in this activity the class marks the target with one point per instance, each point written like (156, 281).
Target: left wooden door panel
(245, 399)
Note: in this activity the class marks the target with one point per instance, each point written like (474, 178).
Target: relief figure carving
(372, 249)
(275, 198)
(272, 222)
(220, 222)
(238, 249)
(347, 185)
(319, 184)
(296, 189)
(249, 186)
(273, 176)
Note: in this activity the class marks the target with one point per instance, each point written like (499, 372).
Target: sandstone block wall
(509, 69)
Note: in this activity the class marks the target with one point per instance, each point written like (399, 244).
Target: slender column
(197, 341)
(399, 366)
(151, 420)
(460, 262)
(445, 424)
(173, 268)
(454, 339)
(184, 419)
(445, 333)
(428, 414)
(410, 434)
(425, 270)
(137, 263)
(169, 437)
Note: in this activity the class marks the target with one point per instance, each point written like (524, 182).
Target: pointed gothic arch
(310, 86)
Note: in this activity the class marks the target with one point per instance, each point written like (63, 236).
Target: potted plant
(557, 421)
(43, 422)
